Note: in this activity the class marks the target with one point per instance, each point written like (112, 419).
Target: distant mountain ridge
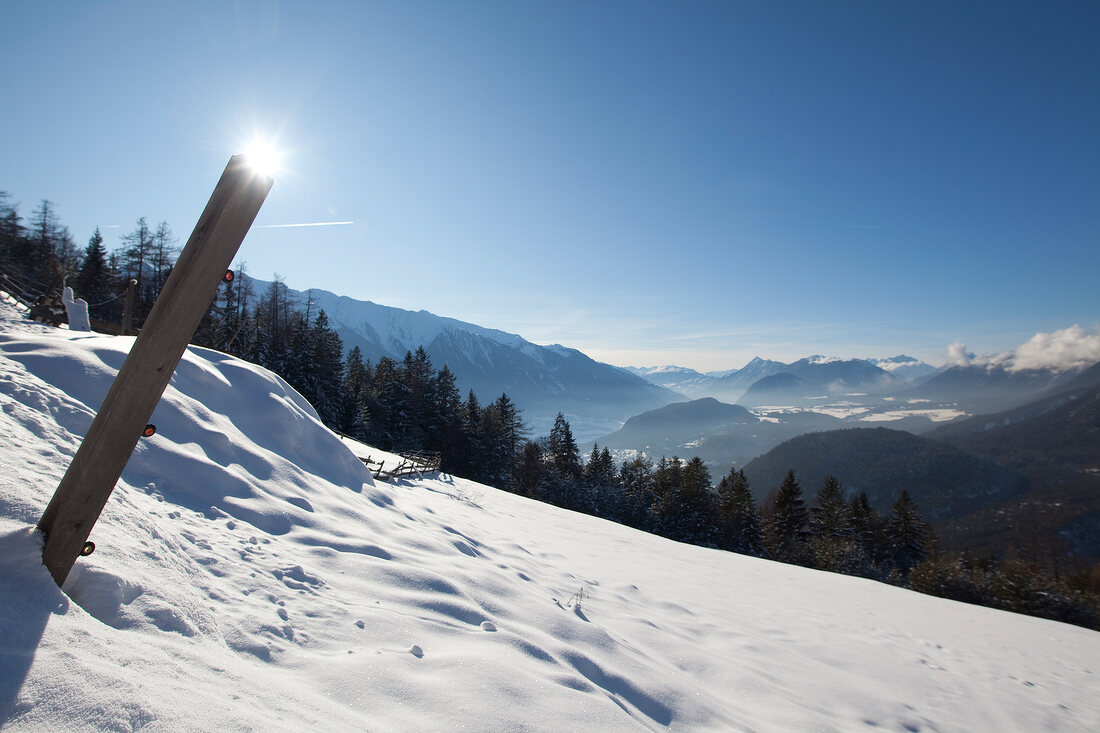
(1025, 480)
(720, 434)
(991, 388)
(816, 375)
(945, 481)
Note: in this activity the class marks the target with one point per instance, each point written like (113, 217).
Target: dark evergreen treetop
(787, 520)
(907, 533)
(563, 449)
(741, 525)
(830, 517)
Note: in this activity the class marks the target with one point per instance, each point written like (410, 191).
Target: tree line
(42, 253)
(406, 405)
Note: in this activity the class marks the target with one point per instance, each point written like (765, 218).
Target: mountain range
(644, 410)
(541, 380)
(793, 383)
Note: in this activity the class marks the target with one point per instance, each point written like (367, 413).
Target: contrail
(308, 224)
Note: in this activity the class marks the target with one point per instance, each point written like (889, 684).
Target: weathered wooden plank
(98, 464)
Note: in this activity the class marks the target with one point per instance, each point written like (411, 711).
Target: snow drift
(251, 576)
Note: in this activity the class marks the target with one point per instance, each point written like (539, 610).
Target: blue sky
(651, 182)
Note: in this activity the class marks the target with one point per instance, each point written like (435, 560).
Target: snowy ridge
(251, 576)
(402, 330)
(819, 359)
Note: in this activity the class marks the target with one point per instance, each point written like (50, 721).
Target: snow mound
(250, 575)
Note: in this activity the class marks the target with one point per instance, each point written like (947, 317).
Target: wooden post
(118, 425)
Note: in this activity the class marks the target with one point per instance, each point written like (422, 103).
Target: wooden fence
(43, 303)
(416, 463)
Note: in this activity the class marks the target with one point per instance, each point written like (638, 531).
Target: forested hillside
(407, 404)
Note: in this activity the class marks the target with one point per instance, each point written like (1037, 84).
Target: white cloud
(1068, 348)
(957, 355)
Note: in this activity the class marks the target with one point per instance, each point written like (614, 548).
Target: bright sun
(263, 157)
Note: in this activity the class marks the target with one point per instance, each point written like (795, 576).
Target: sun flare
(263, 157)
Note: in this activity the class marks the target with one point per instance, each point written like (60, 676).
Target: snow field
(250, 575)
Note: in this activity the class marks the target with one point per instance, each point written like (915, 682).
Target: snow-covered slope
(251, 576)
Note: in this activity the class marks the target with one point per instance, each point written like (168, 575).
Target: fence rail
(416, 463)
(43, 303)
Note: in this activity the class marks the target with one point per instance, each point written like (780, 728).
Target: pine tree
(741, 525)
(689, 513)
(384, 404)
(326, 370)
(11, 235)
(561, 483)
(275, 322)
(416, 423)
(513, 435)
(907, 534)
(829, 518)
(514, 432)
(563, 450)
(833, 544)
(786, 523)
(353, 407)
(50, 254)
(636, 479)
(495, 463)
(611, 502)
(667, 477)
(601, 494)
(867, 525)
(530, 471)
(296, 366)
(448, 437)
(93, 279)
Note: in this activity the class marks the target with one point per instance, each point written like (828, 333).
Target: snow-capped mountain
(906, 367)
(666, 371)
(819, 374)
(541, 380)
(730, 387)
(726, 386)
(839, 375)
(678, 379)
